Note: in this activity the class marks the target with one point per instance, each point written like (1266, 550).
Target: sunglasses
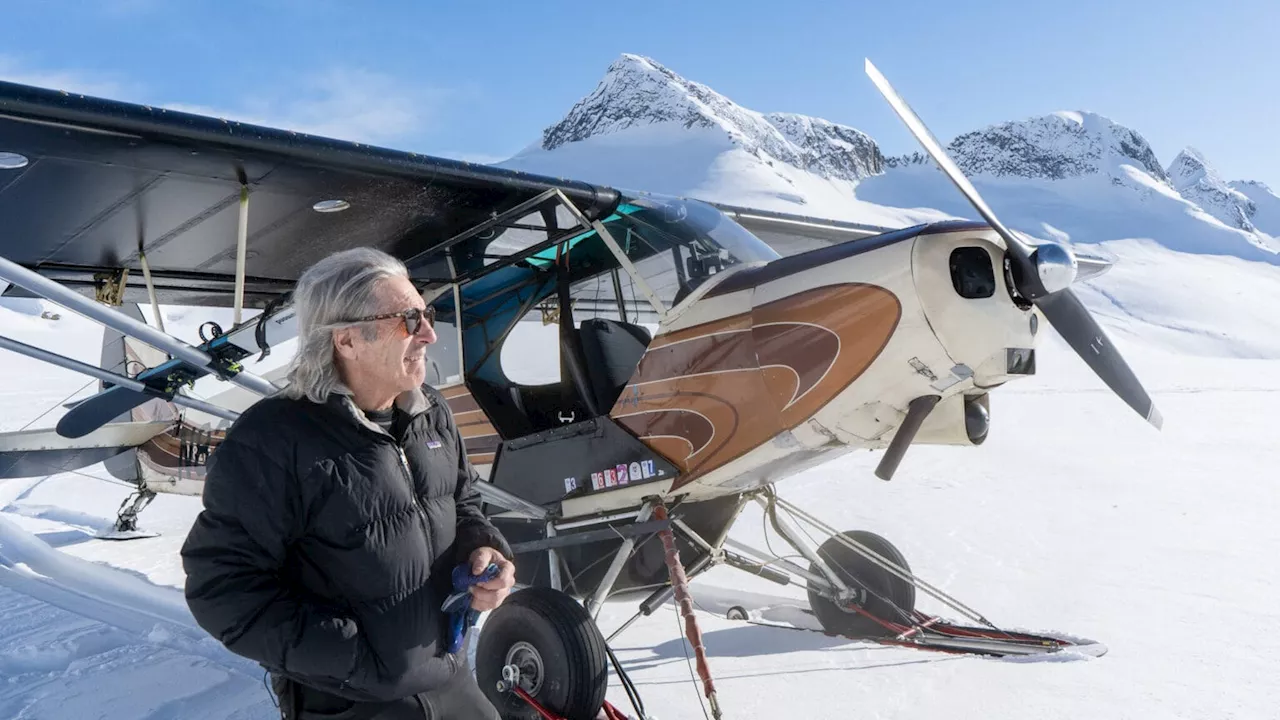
(413, 318)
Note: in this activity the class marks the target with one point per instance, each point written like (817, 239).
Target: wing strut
(109, 377)
(151, 289)
(242, 241)
(51, 290)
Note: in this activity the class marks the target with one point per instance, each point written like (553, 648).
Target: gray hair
(328, 296)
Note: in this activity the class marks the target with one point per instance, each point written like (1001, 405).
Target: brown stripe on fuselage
(802, 352)
(477, 431)
(862, 317)
(479, 437)
(720, 399)
(734, 322)
(717, 352)
(462, 403)
(482, 443)
(693, 428)
(815, 343)
(455, 391)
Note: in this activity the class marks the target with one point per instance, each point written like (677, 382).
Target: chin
(415, 375)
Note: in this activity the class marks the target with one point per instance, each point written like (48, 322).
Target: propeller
(1042, 273)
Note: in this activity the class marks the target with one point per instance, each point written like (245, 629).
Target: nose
(426, 334)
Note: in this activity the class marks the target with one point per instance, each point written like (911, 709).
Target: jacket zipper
(408, 478)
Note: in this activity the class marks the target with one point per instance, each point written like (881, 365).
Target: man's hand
(489, 595)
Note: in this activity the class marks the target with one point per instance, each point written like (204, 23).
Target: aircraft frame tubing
(55, 292)
(716, 551)
(815, 581)
(768, 503)
(880, 561)
(110, 377)
(615, 566)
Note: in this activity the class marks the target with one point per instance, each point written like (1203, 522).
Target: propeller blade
(1072, 320)
(934, 148)
(1062, 309)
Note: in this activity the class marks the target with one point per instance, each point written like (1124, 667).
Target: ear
(344, 342)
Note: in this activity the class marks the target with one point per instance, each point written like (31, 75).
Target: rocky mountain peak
(1196, 180)
(1055, 146)
(638, 91)
(829, 149)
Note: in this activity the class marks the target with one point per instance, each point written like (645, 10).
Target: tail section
(128, 356)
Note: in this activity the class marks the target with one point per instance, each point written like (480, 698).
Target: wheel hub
(853, 597)
(528, 661)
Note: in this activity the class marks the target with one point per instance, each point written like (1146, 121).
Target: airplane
(693, 366)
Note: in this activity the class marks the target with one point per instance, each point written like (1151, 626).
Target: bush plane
(695, 365)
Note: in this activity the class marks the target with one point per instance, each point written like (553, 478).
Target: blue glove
(458, 605)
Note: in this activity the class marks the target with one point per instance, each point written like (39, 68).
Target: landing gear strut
(873, 589)
(126, 527)
(127, 518)
(861, 587)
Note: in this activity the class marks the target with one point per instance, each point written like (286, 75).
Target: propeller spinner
(1043, 273)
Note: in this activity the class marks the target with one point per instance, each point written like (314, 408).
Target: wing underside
(88, 183)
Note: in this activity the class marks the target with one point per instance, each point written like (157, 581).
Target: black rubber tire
(569, 644)
(884, 595)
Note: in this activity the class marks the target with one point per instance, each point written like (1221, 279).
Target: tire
(544, 631)
(880, 593)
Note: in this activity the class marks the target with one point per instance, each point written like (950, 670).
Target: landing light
(326, 206)
(12, 161)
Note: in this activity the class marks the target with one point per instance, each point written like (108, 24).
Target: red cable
(610, 712)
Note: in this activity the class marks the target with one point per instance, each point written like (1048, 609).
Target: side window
(531, 353)
(442, 356)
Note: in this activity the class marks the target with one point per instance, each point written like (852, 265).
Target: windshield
(677, 243)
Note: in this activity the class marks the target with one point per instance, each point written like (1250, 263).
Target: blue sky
(481, 80)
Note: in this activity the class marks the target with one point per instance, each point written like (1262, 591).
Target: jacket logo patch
(433, 444)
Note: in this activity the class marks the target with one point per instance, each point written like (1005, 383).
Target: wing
(86, 182)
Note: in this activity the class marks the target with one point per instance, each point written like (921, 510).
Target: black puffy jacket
(325, 548)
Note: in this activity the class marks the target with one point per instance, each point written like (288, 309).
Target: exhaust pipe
(917, 411)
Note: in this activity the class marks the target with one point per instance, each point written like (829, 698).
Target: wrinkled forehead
(396, 294)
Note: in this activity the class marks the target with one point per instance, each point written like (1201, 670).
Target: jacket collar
(412, 402)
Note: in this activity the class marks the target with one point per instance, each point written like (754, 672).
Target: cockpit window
(677, 244)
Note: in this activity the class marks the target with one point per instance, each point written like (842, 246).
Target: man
(336, 511)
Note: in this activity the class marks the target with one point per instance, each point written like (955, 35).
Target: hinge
(109, 286)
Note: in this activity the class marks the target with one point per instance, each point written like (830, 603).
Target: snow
(1267, 216)
(1055, 146)
(1197, 181)
(1156, 544)
(638, 92)
(1074, 517)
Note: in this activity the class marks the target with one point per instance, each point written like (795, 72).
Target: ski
(227, 350)
(936, 634)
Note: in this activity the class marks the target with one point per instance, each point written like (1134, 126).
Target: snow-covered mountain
(1199, 182)
(1266, 215)
(638, 92)
(1071, 176)
(647, 128)
(1054, 147)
